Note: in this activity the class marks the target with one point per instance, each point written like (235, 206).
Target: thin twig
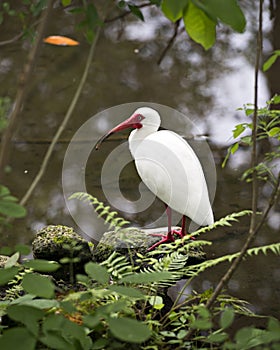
(170, 42)
(126, 13)
(22, 90)
(64, 122)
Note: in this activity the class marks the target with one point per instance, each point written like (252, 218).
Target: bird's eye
(140, 117)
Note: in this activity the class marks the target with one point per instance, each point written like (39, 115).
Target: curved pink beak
(133, 122)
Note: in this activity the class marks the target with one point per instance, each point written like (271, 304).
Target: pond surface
(206, 87)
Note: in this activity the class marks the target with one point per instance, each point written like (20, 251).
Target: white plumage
(168, 166)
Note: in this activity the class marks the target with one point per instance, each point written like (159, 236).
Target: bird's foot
(164, 239)
(179, 233)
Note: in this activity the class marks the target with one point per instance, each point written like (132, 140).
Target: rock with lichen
(64, 245)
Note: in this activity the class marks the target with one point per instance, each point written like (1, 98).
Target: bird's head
(144, 117)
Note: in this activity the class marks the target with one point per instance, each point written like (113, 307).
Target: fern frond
(118, 266)
(225, 221)
(195, 270)
(102, 210)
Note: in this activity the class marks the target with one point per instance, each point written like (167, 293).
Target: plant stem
(253, 229)
(64, 122)
(22, 90)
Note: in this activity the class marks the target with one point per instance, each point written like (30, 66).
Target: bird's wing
(171, 170)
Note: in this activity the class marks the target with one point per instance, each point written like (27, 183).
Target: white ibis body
(169, 167)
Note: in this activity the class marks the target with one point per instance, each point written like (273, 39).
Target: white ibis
(168, 166)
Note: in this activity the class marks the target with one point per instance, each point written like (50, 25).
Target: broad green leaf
(41, 265)
(91, 321)
(201, 324)
(27, 315)
(199, 26)
(97, 272)
(239, 128)
(227, 318)
(217, 337)
(173, 9)
(129, 330)
(274, 131)
(275, 99)
(41, 303)
(12, 261)
(12, 209)
(38, 285)
(22, 249)
(147, 277)
(55, 340)
(17, 338)
(4, 191)
(8, 274)
(248, 337)
(269, 62)
(128, 291)
(227, 11)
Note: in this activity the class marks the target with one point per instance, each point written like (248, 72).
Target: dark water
(207, 87)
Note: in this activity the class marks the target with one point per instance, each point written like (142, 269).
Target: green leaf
(147, 277)
(41, 265)
(66, 2)
(97, 272)
(91, 321)
(234, 148)
(129, 330)
(227, 11)
(128, 291)
(17, 338)
(12, 209)
(274, 131)
(38, 285)
(239, 128)
(227, 318)
(7, 274)
(269, 62)
(173, 9)
(217, 337)
(22, 249)
(136, 11)
(27, 315)
(199, 26)
(12, 261)
(41, 303)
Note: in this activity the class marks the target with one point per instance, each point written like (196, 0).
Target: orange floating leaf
(60, 40)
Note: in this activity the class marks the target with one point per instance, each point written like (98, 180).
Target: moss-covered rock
(56, 242)
(129, 241)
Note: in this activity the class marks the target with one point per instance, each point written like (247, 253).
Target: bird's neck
(136, 137)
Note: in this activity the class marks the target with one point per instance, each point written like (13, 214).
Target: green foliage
(121, 301)
(272, 59)
(104, 211)
(268, 130)
(8, 206)
(201, 17)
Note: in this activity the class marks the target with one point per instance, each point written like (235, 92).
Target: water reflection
(205, 86)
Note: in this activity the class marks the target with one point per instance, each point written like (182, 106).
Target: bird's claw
(165, 239)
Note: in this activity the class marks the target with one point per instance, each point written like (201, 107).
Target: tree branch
(22, 90)
(253, 230)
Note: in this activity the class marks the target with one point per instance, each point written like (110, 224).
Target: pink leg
(165, 238)
(182, 231)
